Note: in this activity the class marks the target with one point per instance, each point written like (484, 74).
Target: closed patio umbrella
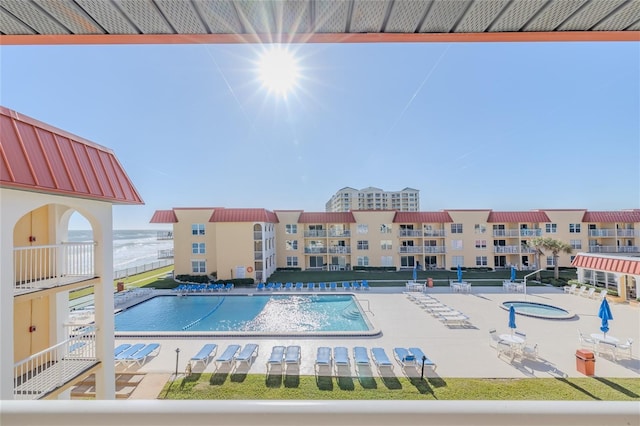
(605, 315)
(513, 273)
(459, 274)
(415, 273)
(512, 318)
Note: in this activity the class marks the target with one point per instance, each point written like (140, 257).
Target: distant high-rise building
(346, 199)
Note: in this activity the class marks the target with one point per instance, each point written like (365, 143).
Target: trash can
(585, 362)
(430, 282)
(120, 286)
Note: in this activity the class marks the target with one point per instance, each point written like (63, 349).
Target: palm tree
(537, 244)
(540, 245)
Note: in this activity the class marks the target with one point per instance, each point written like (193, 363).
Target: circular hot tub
(538, 310)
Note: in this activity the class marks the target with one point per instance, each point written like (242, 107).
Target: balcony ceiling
(327, 21)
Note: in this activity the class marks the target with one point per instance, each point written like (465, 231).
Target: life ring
(249, 269)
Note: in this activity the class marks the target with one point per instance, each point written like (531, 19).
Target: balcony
(257, 236)
(315, 233)
(312, 250)
(603, 232)
(410, 233)
(53, 367)
(340, 249)
(40, 267)
(165, 254)
(514, 233)
(257, 255)
(435, 249)
(339, 233)
(513, 249)
(614, 249)
(410, 249)
(627, 232)
(434, 233)
(530, 232)
(165, 235)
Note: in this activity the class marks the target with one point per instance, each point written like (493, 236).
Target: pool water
(256, 313)
(538, 310)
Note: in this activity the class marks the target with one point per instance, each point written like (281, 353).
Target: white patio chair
(605, 347)
(570, 289)
(530, 351)
(625, 347)
(585, 341)
(494, 339)
(589, 293)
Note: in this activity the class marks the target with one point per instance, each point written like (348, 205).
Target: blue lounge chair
(356, 285)
(228, 356)
(292, 355)
(404, 357)
(311, 286)
(346, 285)
(380, 358)
(299, 286)
(278, 286)
(270, 286)
(365, 285)
(128, 352)
(333, 286)
(260, 287)
(322, 286)
(248, 354)
(417, 352)
(276, 358)
(229, 287)
(288, 286)
(141, 356)
(323, 358)
(121, 348)
(361, 357)
(207, 352)
(341, 357)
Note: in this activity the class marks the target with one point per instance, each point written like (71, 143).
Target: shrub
(375, 268)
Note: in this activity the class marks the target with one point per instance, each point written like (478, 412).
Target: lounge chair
(582, 290)
(141, 356)
(121, 348)
(346, 285)
(299, 286)
(601, 295)
(292, 355)
(288, 286)
(229, 287)
(277, 287)
(276, 358)
(404, 357)
(421, 357)
(459, 320)
(381, 359)
(207, 352)
(589, 294)
(322, 286)
(132, 349)
(361, 356)
(270, 286)
(228, 356)
(341, 357)
(333, 286)
(311, 286)
(570, 289)
(323, 358)
(365, 285)
(248, 354)
(260, 287)
(355, 285)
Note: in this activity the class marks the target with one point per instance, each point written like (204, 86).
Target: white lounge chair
(323, 359)
(589, 293)
(601, 295)
(421, 357)
(341, 358)
(207, 352)
(141, 356)
(276, 358)
(381, 359)
(404, 357)
(361, 357)
(248, 354)
(582, 291)
(292, 355)
(127, 352)
(570, 288)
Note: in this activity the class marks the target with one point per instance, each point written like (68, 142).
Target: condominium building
(255, 242)
(47, 175)
(346, 199)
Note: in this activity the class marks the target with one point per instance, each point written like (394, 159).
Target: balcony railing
(165, 235)
(435, 249)
(339, 233)
(517, 232)
(51, 368)
(317, 233)
(340, 249)
(434, 233)
(513, 249)
(315, 250)
(602, 232)
(410, 233)
(257, 255)
(628, 232)
(614, 249)
(410, 249)
(257, 236)
(40, 267)
(165, 254)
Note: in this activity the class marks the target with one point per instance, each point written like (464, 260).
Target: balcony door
(30, 327)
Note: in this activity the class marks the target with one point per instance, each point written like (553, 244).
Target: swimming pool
(290, 315)
(538, 310)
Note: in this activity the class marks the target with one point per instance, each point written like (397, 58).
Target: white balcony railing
(315, 233)
(513, 249)
(410, 233)
(435, 249)
(165, 235)
(51, 368)
(165, 254)
(410, 249)
(628, 232)
(39, 267)
(339, 233)
(522, 232)
(614, 249)
(602, 232)
(434, 233)
(340, 249)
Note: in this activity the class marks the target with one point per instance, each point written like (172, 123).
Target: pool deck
(457, 351)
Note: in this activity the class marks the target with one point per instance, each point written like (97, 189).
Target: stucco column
(103, 300)
(6, 310)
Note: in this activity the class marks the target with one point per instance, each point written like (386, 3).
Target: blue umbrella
(604, 313)
(513, 273)
(415, 273)
(459, 274)
(512, 318)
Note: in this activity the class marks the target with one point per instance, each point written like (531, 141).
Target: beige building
(253, 243)
(346, 199)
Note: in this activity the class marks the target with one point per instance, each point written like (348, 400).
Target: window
(385, 245)
(479, 228)
(197, 248)
(385, 229)
(292, 260)
(316, 261)
(481, 244)
(363, 228)
(291, 228)
(456, 244)
(363, 260)
(386, 261)
(198, 266)
(197, 229)
(291, 244)
(574, 228)
(457, 260)
(407, 261)
(576, 244)
(550, 261)
(456, 228)
(551, 228)
(363, 245)
(481, 260)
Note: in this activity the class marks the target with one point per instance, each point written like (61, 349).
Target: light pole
(424, 358)
(177, 358)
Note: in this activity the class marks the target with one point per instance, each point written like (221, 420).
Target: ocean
(130, 247)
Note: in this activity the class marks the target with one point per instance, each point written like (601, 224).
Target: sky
(502, 126)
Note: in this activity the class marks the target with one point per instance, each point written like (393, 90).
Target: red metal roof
(164, 216)
(243, 215)
(422, 217)
(610, 264)
(625, 216)
(518, 217)
(35, 156)
(326, 217)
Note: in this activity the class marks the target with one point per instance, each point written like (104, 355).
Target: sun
(278, 70)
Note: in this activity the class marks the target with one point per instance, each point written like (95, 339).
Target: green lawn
(139, 280)
(276, 387)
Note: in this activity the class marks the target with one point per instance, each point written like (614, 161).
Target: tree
(540, 245)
